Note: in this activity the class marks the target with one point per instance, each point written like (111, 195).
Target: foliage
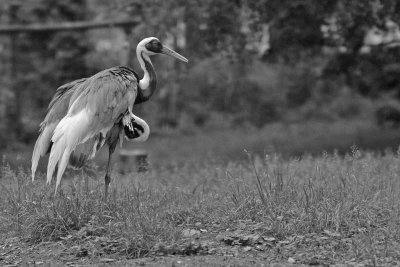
(229, 81)
(42, 61)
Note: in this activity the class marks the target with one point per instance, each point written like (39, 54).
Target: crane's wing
(56, 110)
(88, 149)
(95, 106)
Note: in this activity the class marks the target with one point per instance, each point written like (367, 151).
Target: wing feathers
(42, 145)
(70, 131)
(57, 109)
(62, 165)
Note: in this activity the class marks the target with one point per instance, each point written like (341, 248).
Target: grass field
(322, 209)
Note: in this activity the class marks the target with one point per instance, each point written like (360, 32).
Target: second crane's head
(152, 46)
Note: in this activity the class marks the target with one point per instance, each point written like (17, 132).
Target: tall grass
(355, 197)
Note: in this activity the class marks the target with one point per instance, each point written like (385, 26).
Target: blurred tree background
(251, 62)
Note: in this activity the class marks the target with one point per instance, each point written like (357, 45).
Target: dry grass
(329, 208)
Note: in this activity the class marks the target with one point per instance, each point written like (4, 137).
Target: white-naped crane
(88, 113)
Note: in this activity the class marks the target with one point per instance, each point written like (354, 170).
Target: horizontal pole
(64, 26)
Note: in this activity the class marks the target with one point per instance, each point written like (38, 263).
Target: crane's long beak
(167, 51)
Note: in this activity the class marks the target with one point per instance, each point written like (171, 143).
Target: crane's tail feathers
(42, 146)
(67, 135)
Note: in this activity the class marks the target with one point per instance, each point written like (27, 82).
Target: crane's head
(136, 129)
(152, 46)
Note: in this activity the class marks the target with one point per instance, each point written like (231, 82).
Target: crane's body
(85, 114)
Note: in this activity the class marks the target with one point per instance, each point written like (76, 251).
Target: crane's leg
(86, 180)
(112, 139)
(107, 178)
(86, 177)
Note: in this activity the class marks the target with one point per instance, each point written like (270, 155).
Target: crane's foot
(126, 120)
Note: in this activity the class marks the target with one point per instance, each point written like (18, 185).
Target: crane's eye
(157, 45)
(154, 46)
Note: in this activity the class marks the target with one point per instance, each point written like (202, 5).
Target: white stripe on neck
(145, 81)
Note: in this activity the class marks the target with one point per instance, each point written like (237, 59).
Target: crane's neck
(148, 84)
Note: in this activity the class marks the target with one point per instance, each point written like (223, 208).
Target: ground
(315, 209)
(214, 249)
(18, 253)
